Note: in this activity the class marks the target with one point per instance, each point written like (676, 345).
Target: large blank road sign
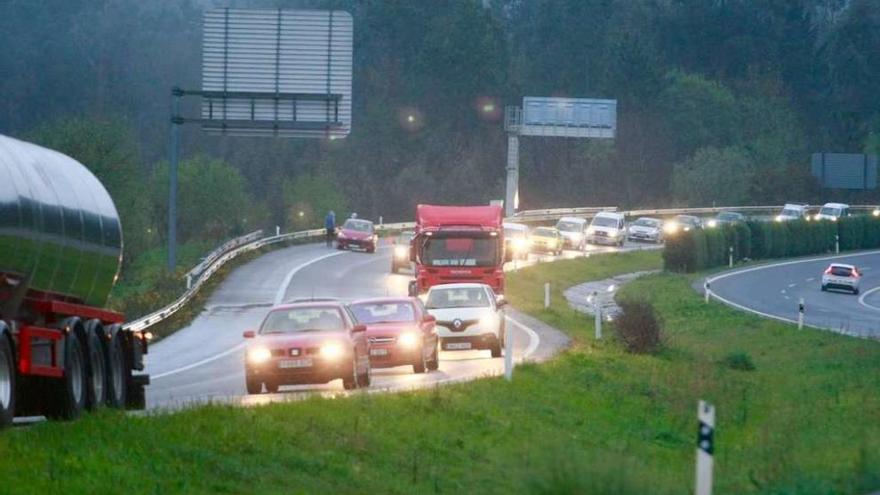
(277, 72)
(569, 117)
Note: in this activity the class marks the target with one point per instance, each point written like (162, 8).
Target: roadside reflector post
(508, 355)
(189, 282)
(380, 221)
(597, 310)
(801, 314)
(836, 243)
(705, 447)
(277, 230)
(546, 295)
(730, 256)
(707, 291)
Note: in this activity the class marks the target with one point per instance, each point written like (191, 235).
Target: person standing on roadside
(330, 225)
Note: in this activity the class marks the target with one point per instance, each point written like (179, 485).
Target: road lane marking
(810, 279)
(199, 363)
(791, 285)
(279, 296)
(782, 291)
(534, 338)
(866, 294)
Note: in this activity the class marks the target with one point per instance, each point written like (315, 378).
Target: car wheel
(434, 362)
(420, 365)
(272, 387)
(351, 382)
(856, 291)
(367, 378)
(394, 268)
(253, 385)
(496, 349)
(824, 288)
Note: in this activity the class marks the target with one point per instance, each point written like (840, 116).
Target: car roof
(383, 300)
(518, 226)
(842, 265)
(609, 214)
(835, 205)
(471, 285)
(358, 220)
(649, 218)
(315, 303)
(689, 217)
(573, 219)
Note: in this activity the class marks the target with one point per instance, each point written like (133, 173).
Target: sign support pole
(510, 196)
(176, 121)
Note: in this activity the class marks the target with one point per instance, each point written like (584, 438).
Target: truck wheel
(351, 382)
(97, 390)
(253, 385)
(68, 397)
(117, 373)
(7, 382)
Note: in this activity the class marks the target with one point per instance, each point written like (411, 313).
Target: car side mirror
(359, 328)
(249, 334)
(501, 302)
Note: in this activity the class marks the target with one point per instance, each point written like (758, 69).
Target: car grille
(451, 325)
(601, 233)
(381, 340)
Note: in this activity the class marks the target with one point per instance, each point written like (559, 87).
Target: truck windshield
(457, 251)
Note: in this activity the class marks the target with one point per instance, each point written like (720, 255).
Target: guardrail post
(730, 256)
(705, 447)
(597, 310)
(836, 243)
(508, 355)
(801, 314)
(546, 295)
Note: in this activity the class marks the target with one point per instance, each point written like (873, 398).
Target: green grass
(594, 420)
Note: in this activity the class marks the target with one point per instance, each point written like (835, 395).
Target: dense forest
(719, 101)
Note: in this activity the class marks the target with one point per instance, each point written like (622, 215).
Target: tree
(714, 176)
(308, 198)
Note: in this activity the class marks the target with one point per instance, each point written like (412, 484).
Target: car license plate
(455, 346)
(295, 363)
(378, 352)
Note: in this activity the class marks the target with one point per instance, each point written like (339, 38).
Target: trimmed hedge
(701, 249)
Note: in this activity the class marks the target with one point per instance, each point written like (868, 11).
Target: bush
(739, 361)
(639, 327)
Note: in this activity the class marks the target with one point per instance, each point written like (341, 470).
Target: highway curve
(774, 290)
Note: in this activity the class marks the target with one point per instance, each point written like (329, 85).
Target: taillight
(828, 271)
(856, 274)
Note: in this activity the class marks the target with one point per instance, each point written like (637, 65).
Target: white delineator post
(508, 355)
(277, 231)
(597, 310)
(730, 256)
(801, 314)
(705, 447)
(707, 291)
(546, 295)
(836, 243)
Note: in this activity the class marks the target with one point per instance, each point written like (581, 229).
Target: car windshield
(791, 212)
(569, 226)
(544, 232)
(307, 319)
(471, 297)
(830, 211)
(686, 220)
(358, 225)
(647, 222)
(384, 312)
(404, 238)
(728, 216)
(460, 251)
(604, 222)
(841, 271)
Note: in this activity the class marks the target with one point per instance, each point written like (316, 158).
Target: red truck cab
(454, 244)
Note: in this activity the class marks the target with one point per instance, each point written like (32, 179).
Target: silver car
(841, 277)
(646, 229)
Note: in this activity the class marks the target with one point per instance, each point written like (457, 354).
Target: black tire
(824, 288)
(272, 387)
(496, 349)
(421, 364)
(117, 373)
(253, 385)
(7, 382)
(394, 268)
(856, 292)
(98, 376)
(367, 378)
(434, 362)
(69, 393)
(351, 382)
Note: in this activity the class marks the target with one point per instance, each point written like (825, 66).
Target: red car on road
(357, 233)
(308, 342)
(400, 332)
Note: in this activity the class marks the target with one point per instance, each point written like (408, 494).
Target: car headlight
(576, 237)
(487, 320)
(670, 228)
(340, 235)
(401, 251)
(258, 355)
(408, 340)
(876, 213)
(779, 218)
(712, 223)
(332, 351)
(520, 244)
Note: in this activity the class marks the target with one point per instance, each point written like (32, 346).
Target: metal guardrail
(236, 247)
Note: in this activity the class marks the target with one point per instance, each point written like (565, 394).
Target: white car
(607, 228)
(573, 231)
(469, 316)
(832, 211)
(794, 211)
(516, 240)
(840, 276)
(646, 229)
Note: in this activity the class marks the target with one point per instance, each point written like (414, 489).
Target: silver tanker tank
(60, 235)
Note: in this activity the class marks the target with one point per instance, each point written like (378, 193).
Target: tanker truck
(61, 352)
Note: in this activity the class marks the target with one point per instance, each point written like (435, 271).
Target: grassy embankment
(595, 420)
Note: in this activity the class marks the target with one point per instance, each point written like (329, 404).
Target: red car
(356, 233)
(308, 342)
(400, 331)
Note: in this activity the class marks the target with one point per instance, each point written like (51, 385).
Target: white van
(607, 228)
(794, 211)
(832, 211)
(573, 231)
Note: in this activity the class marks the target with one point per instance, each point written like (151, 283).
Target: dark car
(682, 223)
(400, 332)
(400, 254)
(726, 218)
(309, 342)
(357, 233)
